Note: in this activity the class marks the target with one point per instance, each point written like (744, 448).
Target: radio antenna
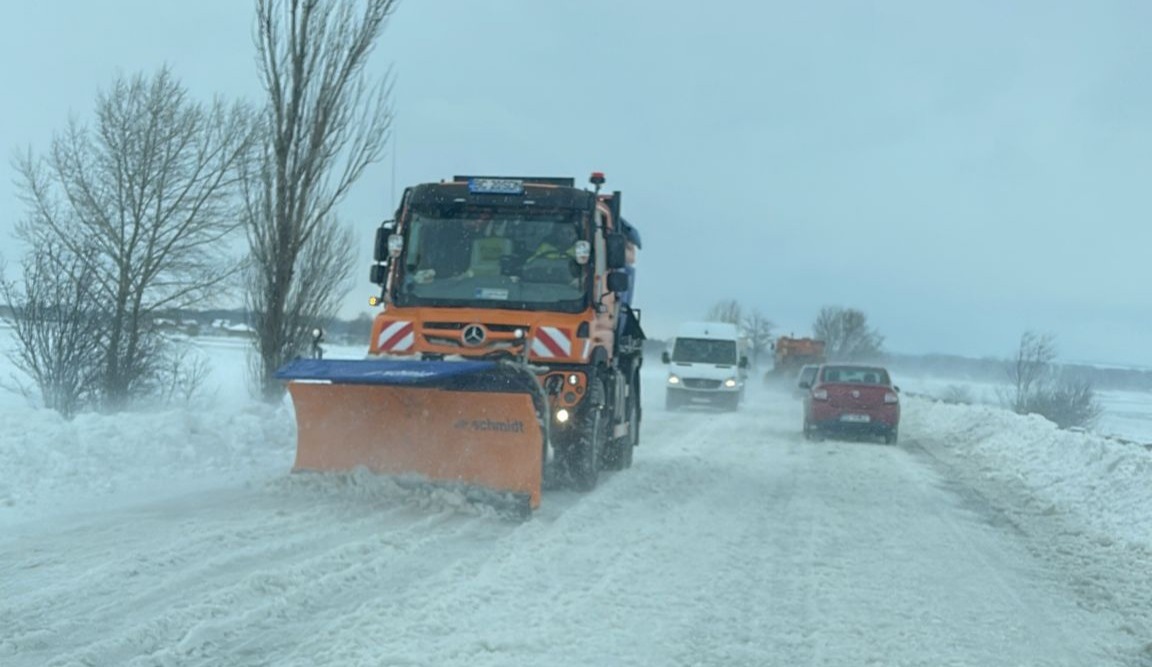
(392, 204)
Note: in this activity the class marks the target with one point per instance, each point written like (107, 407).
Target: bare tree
(1030, 370)
(181, 377)
(726, 311)
(1037, 388)
(147, 197)
(846, 334)
(325, 121)
(57, 327)
(758, 330)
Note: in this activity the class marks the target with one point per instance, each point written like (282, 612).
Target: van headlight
(730, 382)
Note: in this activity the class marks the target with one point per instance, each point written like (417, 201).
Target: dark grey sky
(959, 170)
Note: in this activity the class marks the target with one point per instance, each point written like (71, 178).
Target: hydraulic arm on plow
(506, 348)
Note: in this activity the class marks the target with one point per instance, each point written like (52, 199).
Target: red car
(852, 398)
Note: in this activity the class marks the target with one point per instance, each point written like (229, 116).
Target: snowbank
(1106, 482)
(49, 463)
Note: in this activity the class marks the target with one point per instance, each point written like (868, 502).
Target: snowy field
(177, 537)
(1127, 414)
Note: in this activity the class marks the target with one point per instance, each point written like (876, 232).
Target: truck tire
(618, 453)
(583, 454)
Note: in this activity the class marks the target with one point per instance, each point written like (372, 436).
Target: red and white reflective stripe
(550, 343)
(396, 336)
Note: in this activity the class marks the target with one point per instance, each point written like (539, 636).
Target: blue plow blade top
(382, 371)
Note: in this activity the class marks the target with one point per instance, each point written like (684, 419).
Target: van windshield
(704, 351)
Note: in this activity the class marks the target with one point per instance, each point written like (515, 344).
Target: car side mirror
(896, 388)
(665, 357)
(805, 385)
(617, 282)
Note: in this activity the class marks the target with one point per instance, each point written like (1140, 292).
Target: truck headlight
(730, 382)
(672, 379)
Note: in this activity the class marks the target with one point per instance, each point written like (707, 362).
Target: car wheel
(809, 431)
(892, 436)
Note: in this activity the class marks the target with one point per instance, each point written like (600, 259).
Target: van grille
(696, 383)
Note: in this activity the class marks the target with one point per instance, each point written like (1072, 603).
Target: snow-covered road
(732, 541)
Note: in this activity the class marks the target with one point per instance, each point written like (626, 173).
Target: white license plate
(856, 419)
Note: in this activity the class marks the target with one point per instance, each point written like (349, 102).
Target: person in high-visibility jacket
(559, 247)
(560, 244)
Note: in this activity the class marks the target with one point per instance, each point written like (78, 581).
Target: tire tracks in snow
(253, 565)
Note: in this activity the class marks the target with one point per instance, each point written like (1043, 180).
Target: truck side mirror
(617, 282)
(665, 357)
(616, 251)
(743, 361)
(379, 274)
(380, 248)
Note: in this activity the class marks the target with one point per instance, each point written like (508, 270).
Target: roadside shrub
(957, 394)
(1069, 403)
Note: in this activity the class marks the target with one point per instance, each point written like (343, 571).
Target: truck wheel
(618, 454)
(634, 412)
(584, 453)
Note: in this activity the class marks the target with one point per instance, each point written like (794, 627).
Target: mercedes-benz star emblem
(473, 335)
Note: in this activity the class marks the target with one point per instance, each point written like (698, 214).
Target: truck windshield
(704, 351)
(493, 258)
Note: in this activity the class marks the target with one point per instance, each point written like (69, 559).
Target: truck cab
(707, 365)
(528, 270)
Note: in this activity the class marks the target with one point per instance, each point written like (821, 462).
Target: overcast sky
(960, 170)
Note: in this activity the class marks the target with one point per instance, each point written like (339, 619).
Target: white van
(707, 365)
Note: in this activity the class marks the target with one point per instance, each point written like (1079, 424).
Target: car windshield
(704, 351)
(492, 258)
(854, 375)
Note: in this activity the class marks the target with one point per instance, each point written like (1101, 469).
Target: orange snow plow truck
(790, 353)
(506, 352)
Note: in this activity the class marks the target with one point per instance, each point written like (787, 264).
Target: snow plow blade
(475, 424)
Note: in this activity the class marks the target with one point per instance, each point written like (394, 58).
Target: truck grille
(457, 326)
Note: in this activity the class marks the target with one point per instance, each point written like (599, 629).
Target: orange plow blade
(474, 424)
